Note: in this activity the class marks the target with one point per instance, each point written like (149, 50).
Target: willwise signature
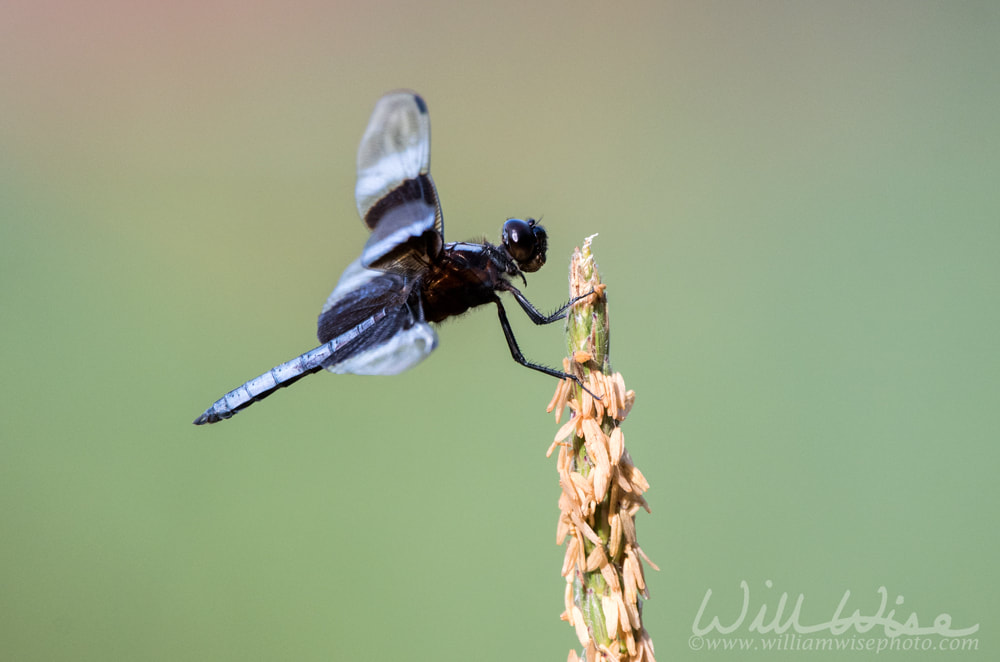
(779, 623)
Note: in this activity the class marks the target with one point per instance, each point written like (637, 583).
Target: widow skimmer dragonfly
(378, 319)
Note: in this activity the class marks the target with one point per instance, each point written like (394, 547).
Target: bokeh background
(799, 219)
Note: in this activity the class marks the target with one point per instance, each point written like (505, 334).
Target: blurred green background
(799, 219)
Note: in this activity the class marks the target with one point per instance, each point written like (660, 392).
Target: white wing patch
(396, 147)
(375, 179)
(401, 352)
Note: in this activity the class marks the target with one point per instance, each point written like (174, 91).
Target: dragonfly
(378, 319)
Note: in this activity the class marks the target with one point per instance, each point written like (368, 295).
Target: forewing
(395, 342)
(396, 146)
(395, 194)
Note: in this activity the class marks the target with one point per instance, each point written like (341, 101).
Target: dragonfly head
(526, 242)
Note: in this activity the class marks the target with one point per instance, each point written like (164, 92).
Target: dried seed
(630, 643)
(643, 554)
(628, 583)
(647, 644)
(639, 480)
(584, 528)
(562, 530)
(620, 389)
(610, 607)
(604, 383)
(615, 498)
(622, 482)
(633, 615)
(594, 385)
(581, 558)
(584, 488)
(629, 400)
(581, 628)
(616, 446)
(628, 529)
(586, 405)
(622, 613)
(615, 539)
(601, 480)
(567, 503)
(569, 491)
(568, 428)
(632, 561)
(611, 578)
(558, 401)
(596, 559)
(570, 559)
(596, 443)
